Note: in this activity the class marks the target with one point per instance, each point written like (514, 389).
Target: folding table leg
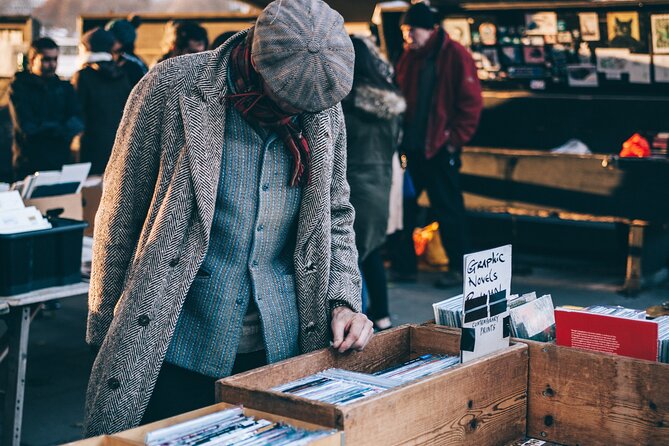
(18, 322)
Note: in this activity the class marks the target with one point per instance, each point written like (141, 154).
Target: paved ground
(59, 361)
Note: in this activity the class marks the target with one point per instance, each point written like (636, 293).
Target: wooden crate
(135, 437)
(481, 403)
(579, 397)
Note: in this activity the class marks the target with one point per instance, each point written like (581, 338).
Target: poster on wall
(612, 61)
(659, 24)
(534, 54)
(623, 29)
(589, 24)
(541, 24)
(458, 30)
(488, 33)
(582, 75)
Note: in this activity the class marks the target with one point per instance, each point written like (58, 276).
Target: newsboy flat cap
(303, 53)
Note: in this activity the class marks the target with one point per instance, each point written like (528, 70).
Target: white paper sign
(487, 284)
(661, 65)
(638, 67)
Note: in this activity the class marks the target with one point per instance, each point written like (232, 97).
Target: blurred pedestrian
(373, 112)
(102, 88)
(438, 78)
(184, 37)
(45, 113)
(125, 33)
(224, 238)
(221, 39)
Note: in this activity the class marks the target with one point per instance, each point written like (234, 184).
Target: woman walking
(373, 112)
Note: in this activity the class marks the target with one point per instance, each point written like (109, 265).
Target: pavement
(59, 361)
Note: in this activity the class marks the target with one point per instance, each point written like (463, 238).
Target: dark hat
(303, 53)
(419, 15)
(98, 40)
(123, 31)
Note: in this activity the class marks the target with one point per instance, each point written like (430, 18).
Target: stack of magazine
(231, 427)
(342, 387)
(530, 317)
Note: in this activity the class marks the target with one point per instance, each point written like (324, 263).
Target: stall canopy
(351, 10)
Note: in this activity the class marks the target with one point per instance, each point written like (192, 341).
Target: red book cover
(636, 338)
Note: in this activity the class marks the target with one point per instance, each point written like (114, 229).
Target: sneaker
(449, 280)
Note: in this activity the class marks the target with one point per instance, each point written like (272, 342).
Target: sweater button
(113, 383)
(143, 320)
(311, 326)
(265, 186)
(174, 262)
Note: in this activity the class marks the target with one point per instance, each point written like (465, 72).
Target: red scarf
(258, 109)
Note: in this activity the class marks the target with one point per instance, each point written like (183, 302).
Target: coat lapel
(316, 132)
(203, 115)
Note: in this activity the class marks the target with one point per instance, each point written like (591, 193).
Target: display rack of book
(408, 386)
(209, 424)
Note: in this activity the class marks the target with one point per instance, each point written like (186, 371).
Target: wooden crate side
(384, 350)
(281, 404)
(136, 436)
(580, 397)
(430, 339)
(482, 403)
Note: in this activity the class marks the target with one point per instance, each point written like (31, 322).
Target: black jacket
(373, 119)
(45, 116)
(103, 89)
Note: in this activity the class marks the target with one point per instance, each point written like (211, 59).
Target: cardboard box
(91, 196)
(135, 437)
(482, 402)
(71, 204)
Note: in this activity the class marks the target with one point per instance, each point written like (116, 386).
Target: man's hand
(350, 330)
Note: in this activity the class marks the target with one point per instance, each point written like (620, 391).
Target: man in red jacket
(438, 78)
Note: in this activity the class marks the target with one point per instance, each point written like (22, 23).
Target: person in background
(45, 113)
(221, 39)
(224, 239)
(373, 112)
(184, 37)
(102, 88)
(125, 33)
(439, 81)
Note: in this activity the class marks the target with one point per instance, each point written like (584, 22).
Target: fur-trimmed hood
(384, 104)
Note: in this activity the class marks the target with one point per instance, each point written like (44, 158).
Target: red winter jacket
(457, 102)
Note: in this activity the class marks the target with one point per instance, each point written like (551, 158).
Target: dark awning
(351, 10)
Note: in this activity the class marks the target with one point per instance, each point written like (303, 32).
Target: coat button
(113, 383)
(265, 186)
(310, 267)
(311, 326)
(143, 320)
(174, 262)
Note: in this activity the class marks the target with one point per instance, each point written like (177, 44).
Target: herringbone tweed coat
(153, 224)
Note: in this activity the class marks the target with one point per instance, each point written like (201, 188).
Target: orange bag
(635, 147)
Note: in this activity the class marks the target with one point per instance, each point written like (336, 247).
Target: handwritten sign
(486, 288)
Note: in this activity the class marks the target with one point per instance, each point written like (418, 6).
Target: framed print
(623, 29)
(458, 30)
(541, 24)
(659, 24)
(589, 24)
